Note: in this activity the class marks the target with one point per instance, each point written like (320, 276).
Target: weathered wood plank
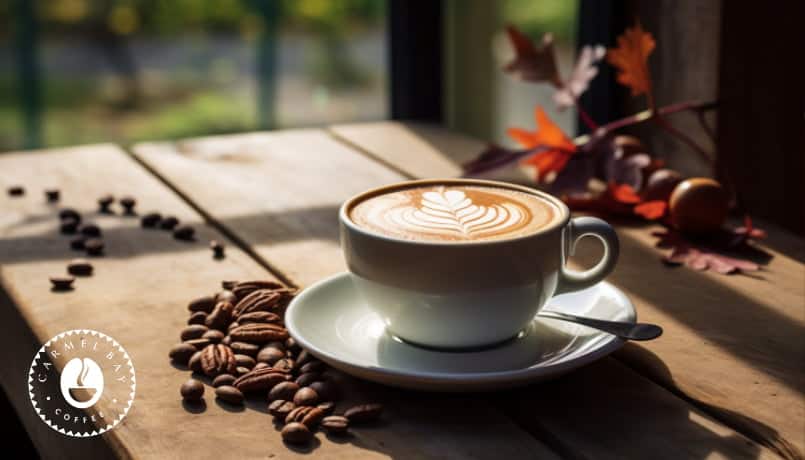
(300, 165)
(732, 344)
(139, 295)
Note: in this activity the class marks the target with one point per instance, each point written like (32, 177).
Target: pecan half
(259, 317)
(218, 359)
(259, 333)
(260, 379)
(244, 288)
(258, 300)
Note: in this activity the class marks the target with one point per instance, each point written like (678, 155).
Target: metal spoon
(628, 331)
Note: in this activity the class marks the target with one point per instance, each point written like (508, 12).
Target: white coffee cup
(474, 293)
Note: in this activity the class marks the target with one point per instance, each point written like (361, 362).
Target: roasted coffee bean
(258, 300)
(325, 389)
(184, 233)
(364, 413)
(296, 433)
(306, 397)
(306, 379)
(244, 288)
(259, 333)
(128, 204)
(90, 229)
(232, 325)
(223, 379)
(193, 331)
(94, 246)
(229, 394)
(168, 223)
(260, 380)
(228, 284)
(244, 348)
(298, 414)
(327, 407)
(214, 336)
(284, 364)
(150, 220)
(68, 226)
(304, 358)
(52, 195)
(335, 424)
(218, 359)
(16, 190)
(192, 390)
(292, 346)
(205, 304)
(104, 202)
(70, 213)
(280, 408)
(220, 316)
(279, 345)
(259, 317)
(198, 317)
(181, 353)
(77, 243)
(227, 340)
(270, 355)
(245, 361)
(283, 390)
(79, 267)
(260, 366)
(200, 343)
(313, 366)
(195, 363)
(217, 249)
(226, 296)
(242, 370)
(62, 283)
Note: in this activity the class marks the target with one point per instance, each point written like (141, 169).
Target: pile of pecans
(237, 340)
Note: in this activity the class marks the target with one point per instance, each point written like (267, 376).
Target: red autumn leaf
(558, 148)
(631, 56)
(531, 63)
(623, 193)
(651, 210)
(698, 257)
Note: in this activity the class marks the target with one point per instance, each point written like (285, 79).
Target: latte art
(458, 213)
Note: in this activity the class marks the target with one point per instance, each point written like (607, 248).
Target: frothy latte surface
(457, 213)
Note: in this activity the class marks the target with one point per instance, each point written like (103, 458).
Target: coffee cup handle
(579, 227)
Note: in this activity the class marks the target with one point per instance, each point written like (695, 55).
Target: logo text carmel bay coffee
(81, 383)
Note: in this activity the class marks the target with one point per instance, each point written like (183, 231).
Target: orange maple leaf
(549, 136)
(631, 56)
(651, 210)
(623, 193)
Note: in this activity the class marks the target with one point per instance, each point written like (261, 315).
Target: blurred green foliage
(537, 17)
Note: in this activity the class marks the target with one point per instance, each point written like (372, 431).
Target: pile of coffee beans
(236, 341)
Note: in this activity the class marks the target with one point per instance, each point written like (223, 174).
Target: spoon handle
(629, 331)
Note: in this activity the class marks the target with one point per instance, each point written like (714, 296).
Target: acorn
(698, 205)
(660, 184)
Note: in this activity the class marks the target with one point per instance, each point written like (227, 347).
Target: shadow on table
(648, 364)
(606, 408)
(720, 316)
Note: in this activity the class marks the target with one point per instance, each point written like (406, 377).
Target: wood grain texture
(280, 193)
(733, 345)
(138, 295)
(316, 172)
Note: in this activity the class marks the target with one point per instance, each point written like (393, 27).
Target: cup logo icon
(82, 382)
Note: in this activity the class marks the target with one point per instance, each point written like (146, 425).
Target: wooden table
(725, 381)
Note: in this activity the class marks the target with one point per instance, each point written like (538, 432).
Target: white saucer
(334, 323)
